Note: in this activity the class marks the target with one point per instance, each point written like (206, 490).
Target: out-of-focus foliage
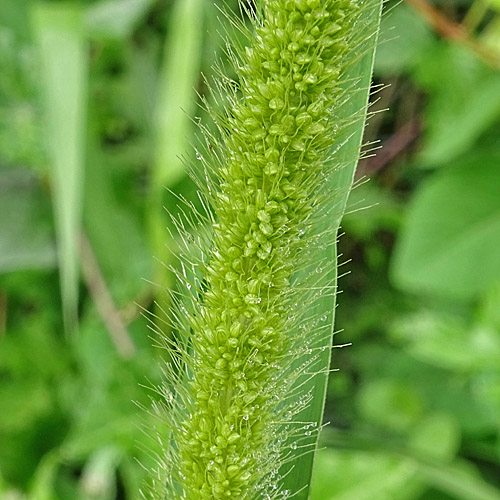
(415, 407)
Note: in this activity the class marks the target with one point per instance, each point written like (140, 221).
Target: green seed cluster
(278, 135)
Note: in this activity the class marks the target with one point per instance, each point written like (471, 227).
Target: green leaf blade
(300, 479)
(449, 246)
(62, 48)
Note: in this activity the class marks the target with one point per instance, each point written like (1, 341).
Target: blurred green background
(98, 104)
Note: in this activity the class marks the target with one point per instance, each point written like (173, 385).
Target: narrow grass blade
(360, 78)
(60, 38)
(176, 101)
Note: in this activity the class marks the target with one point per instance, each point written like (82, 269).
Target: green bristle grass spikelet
(255, 266)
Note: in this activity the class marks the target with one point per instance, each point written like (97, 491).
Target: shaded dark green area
(415, 407)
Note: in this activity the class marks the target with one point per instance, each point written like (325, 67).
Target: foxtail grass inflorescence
(248, 322)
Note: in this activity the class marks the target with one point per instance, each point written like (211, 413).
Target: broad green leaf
(448, 342)
(390, 403)
(347, 475)
(459, 479)
(436, 436)
(439, 390)
(464, 102)
(449, 245)
(59, 35)
(405, 41)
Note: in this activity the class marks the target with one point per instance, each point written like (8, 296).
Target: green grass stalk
(61, 43)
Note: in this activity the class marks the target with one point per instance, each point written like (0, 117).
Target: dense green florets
(277, 136)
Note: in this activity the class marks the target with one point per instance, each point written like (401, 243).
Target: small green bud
(276, 103)
(233, 438)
